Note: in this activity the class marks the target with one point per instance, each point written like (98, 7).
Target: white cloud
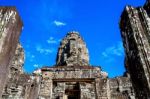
(112, 51)
(51, 40)
(42, 50)
(36, 65)
(104, 54)
(59, 23)
(30, 56)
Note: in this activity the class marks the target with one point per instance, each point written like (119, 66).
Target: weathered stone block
(10, 28)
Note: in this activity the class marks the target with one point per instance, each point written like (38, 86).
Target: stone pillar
(87, 90)
(45, 90)
(10, 28)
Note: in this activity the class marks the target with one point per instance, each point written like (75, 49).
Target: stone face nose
(72, 51)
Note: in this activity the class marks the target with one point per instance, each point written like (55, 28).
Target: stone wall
(70, 72)
(88, 90)
(91, 80)
(114, 88)
(19, 84)
(135, 28)
(121, 88)
(56, 79)
(15, 70)
(72, 76)
(10, 28)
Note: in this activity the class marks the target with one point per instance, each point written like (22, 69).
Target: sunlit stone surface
(135, 27)
(10, 28)
(72, 51)
(72, 76)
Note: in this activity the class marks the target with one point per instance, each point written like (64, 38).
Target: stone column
(10, 28)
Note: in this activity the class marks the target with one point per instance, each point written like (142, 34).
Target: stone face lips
(135, 28)
(10, 28)
(72, 51)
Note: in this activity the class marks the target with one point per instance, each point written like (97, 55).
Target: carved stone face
(73, 48)
(72, 51)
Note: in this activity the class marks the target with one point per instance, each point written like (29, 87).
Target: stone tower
(10, 28)
(74, 78)
(72, 51)
(135, 28)
(71, 78)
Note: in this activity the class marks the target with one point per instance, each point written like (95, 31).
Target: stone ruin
(10, 28)
(72, 77)
(135, 27)
(72, 51)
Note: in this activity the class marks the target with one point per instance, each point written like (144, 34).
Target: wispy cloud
(30, 56)
(36, 65)
(59, 23)
(45, 51)
(113, 51)
(51, 40)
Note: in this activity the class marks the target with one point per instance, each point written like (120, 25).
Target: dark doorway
(73, 97)
(72, 90)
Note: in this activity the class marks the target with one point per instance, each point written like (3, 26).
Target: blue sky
(46, 22)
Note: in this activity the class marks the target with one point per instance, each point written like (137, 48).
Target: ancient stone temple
(72, 76)
(135, 27)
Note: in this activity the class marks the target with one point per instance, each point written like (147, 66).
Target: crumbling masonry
(72, 77)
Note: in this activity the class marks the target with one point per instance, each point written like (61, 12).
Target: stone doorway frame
(76, 80)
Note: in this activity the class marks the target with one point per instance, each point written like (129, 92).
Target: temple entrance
(72, 90)
(73, 97)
